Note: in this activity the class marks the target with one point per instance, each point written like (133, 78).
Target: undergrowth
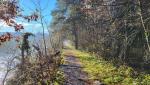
(107, 73)
(38, 71)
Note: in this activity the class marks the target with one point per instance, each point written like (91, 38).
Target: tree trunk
(75, 32)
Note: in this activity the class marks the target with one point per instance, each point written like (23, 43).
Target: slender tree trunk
(23, 59)
(75, 32)
(144, 27)
(45, 46)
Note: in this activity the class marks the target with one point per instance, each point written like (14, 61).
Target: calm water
(4, 58)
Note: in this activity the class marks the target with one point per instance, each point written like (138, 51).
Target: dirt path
(74, 75)
(73, 72)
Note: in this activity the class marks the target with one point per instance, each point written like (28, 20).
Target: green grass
(106, 72)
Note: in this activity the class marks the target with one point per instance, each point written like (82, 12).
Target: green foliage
(107, 73)
(146, 80)
(59, 78)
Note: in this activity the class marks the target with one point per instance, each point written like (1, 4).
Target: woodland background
(117, 30)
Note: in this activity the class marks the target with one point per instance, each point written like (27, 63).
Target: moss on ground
(106, 72)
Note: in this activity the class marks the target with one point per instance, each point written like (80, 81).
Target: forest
(75, 42)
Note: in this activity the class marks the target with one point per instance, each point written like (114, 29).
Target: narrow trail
(73, 72)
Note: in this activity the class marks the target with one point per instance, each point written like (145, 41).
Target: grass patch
(107, 72)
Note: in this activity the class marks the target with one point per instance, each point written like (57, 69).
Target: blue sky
(28, 7)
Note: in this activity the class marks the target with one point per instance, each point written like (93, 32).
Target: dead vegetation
(38, 71)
